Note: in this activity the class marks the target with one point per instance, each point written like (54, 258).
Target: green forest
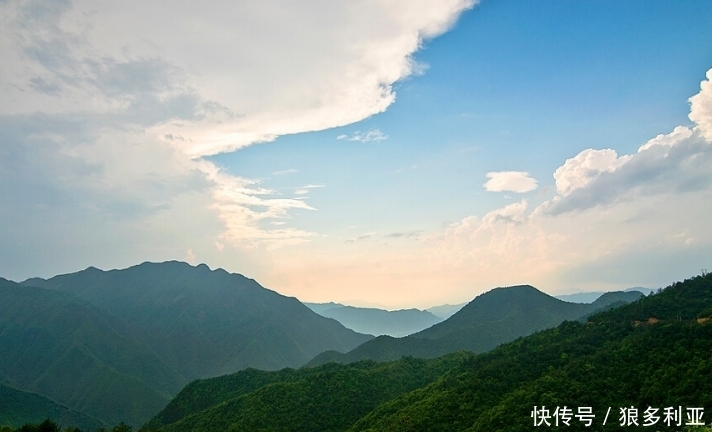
(653, 353)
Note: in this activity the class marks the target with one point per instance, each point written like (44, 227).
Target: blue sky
(393, 153)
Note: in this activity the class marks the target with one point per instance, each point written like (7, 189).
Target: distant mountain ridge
(377, 321)
(445, 311)
(495, 317)
(590, 297)
(204, 322)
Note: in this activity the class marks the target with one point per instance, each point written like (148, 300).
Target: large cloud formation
(107, 108)
(612, 220)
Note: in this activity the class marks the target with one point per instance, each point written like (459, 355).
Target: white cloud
(253, 71)
(678, 163)
(285, 172)
(701, 108)
(305, 189)
(364, 137)
(615, 219)
(585, 167)
(510, 181)
(108, 106)
(680, 133)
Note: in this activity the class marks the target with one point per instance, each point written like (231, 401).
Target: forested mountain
(492, 318)
(590, 297)
(72, 352)
(377, 322)
(18, 407)
(204, 322)
(118, 345)
(327, 398)
(653, 353)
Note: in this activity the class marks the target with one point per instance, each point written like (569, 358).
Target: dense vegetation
(327, 398)
(656, 352)
(18, 408)
(495, 317)
(68, 350)
(48, 425)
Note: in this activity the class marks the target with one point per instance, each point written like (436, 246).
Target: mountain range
(653, 353)
(377, 321)
(117, 345)
(591, 296)
(497, 316)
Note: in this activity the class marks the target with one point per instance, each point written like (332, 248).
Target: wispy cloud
(364, 137)
(305, 189)
(285, 172)
(402, 235)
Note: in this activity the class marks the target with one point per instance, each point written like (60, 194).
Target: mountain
(654, 352)
(377, 321)
(497, 316)
(68, 350)
(321, 307)
(205, 323)
(327, 398)
(590, 297)
(445, 311)
(118, 345)
(18, 408)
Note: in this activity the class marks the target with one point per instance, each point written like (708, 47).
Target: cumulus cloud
(615, 221)
(614, 218)
(701, 108)
(510, 181)
(677, 163)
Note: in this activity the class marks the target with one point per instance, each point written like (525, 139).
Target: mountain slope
(655, 352)
(327, 398)
(373, 321)
(590, 297)
(67, 349)
(206, 323)
(18, 408)
(492, 318)
(445, 311)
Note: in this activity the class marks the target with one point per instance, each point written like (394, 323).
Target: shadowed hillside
(69, 350)
(206, 323)
(118, 345)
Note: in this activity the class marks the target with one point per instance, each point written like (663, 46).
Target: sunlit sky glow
(397, 153)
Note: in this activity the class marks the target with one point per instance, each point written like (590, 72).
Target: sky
(372, 152)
